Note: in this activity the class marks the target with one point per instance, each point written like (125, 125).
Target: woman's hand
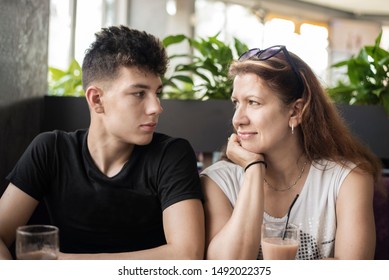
(237, 154)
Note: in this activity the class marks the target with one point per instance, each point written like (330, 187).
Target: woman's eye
(252, 102)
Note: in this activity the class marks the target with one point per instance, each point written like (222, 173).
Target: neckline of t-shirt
(96, 171)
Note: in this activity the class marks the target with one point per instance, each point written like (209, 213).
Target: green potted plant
(197, 91)
(362, 96)
(367, 78)
(203, 75)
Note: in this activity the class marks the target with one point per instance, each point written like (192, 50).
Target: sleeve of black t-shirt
(179, 178)
(31, 173)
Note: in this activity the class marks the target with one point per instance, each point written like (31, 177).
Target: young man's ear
(93, 96)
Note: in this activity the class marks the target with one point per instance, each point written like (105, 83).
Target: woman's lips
(246, 135)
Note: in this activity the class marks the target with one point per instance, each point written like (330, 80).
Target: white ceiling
(358, 7)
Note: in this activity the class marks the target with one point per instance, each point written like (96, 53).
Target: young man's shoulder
(164, 139)
(56, 135)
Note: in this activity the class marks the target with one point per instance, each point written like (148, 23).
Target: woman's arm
(355, 234)
(235, 233)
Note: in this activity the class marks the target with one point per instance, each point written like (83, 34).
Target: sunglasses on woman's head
(270, 52)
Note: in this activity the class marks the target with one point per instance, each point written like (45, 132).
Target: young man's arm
(183, 225)
(184, 232)
(16, 208)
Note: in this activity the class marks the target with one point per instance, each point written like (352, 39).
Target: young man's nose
(154, 106)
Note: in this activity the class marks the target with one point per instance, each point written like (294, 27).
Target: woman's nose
(239, 117)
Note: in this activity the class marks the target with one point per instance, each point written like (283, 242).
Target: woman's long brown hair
(324, 133)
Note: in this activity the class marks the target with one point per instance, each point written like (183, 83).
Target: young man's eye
(139, 94)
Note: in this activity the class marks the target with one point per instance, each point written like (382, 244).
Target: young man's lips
(149, 126)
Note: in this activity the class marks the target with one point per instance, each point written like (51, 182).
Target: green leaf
(56, 73)
(240, 47)
(378, 40)
(174, 39)
(183, 78)
(65, 83)
(340, 64)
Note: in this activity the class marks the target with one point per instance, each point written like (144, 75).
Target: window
(256, 29)
(60, 33)
(73, 24)
(385, 37)
(89, 19)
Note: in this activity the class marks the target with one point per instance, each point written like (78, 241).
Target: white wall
(151, 16)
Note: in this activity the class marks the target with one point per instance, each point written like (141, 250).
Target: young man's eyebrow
(143, 86)
(139, 86)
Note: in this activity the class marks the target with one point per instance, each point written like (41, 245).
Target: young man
(117, 190)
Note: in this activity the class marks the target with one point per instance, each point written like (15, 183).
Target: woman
(289, 140)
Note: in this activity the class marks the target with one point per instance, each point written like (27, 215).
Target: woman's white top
(314, 210)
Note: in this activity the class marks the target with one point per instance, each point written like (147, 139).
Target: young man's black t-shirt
(96, 213)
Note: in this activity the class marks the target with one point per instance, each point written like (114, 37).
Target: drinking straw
(287, 217)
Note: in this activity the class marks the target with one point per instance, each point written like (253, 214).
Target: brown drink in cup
(278, 242)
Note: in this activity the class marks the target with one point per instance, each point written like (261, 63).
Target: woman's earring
(292, 129)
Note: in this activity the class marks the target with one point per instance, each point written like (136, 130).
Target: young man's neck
(109, 155)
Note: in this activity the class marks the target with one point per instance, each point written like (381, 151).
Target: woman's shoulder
(330, 174)
(330, 166)
(228, 176)
(222, 166)
(224, 173)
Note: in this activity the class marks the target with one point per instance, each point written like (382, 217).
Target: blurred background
(320, 31)
(40, 38)
(38, 34)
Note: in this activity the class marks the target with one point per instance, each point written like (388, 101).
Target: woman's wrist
(255, 162)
